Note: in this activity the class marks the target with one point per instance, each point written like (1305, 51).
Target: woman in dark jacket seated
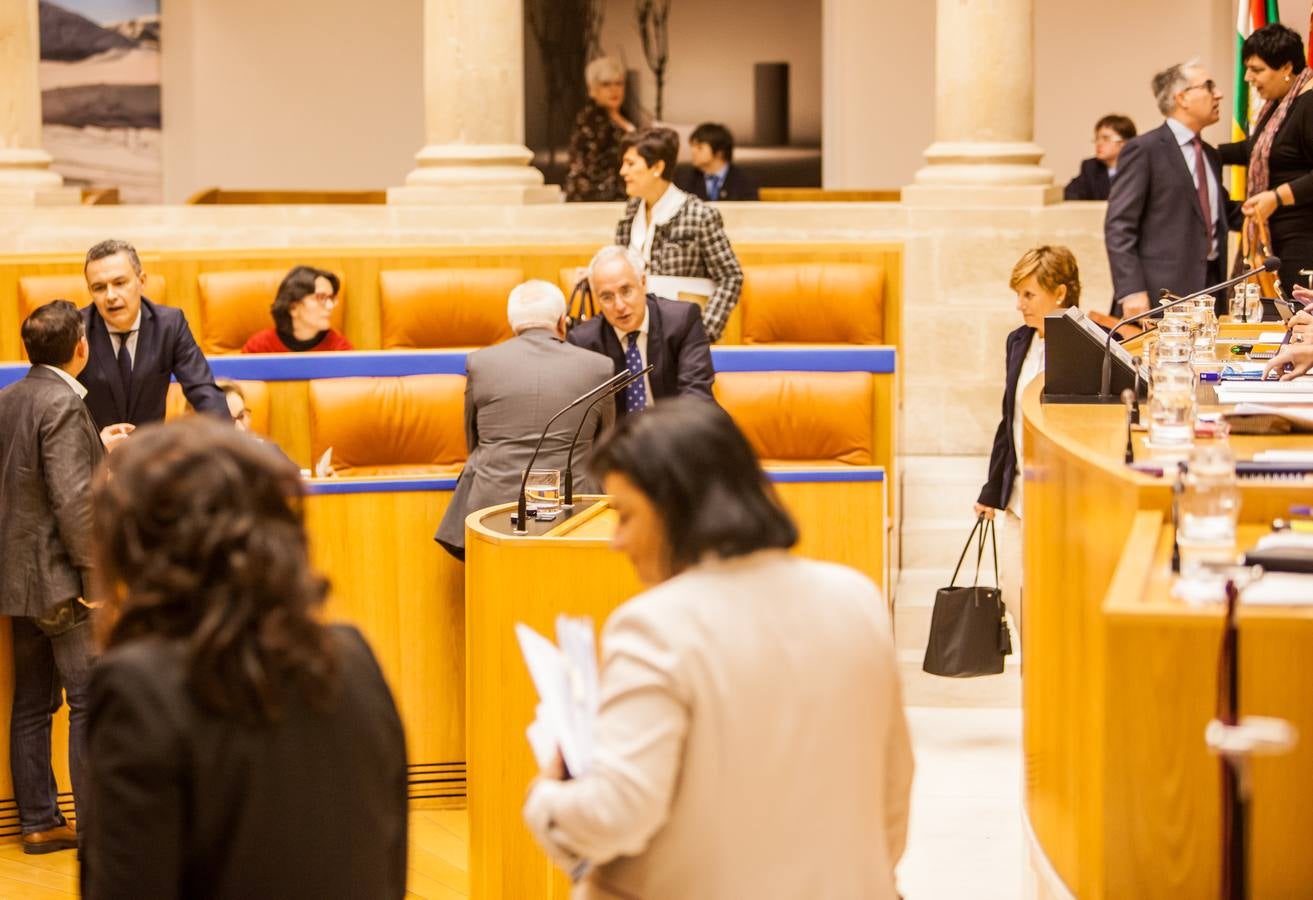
(238, 747)
(1046, 279)
(303, 313)
(594, 172)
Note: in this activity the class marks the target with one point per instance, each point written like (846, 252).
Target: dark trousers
(44, 668)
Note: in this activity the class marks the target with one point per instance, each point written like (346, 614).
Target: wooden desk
(1118, 682)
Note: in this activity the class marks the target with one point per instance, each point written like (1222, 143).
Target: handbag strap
(993, 546)
(965, 548)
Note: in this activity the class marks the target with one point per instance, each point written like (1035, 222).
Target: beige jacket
(751, 742)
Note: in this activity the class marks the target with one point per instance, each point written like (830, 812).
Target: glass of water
(543, 492)
(1208, 507)
(1253, 303)
(1172, 402)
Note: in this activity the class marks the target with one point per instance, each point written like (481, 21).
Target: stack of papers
(566, 680)
(1298, 390)
(1299, 418)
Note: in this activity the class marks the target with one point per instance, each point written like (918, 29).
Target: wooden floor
(439, 843)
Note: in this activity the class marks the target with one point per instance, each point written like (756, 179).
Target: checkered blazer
(693, 244)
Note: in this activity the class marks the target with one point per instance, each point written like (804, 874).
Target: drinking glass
(543, 492)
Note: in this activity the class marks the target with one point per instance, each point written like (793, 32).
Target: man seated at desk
(511, 390)
(637, 329)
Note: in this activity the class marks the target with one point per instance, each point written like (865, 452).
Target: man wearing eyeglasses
(136, 347)
(1096, 174)
(1168, 214)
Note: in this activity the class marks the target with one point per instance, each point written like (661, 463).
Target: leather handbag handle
(965, 547)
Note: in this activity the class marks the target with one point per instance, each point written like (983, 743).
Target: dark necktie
(125, 360)
(713, 187)
(1201, 182)
(636, 393)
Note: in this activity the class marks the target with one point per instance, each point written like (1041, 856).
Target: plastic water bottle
(1208, 507)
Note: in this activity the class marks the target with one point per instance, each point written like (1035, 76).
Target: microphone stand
(520, 522)
(1269, 265)
(567, 480)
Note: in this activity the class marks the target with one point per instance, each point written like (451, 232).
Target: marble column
(984, 150)
(473, 109)
(25, 175)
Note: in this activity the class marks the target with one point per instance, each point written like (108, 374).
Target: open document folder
(565, 677)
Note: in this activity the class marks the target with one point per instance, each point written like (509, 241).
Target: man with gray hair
(511, 390)
(1168, 213)
(637, 329)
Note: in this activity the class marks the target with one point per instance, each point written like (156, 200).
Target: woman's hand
(1298, 357)
(984, 512)
(1301, 323)
(1263, 204)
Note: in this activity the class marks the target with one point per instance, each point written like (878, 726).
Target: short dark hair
(715, 136)
(296, 286)
(199, 540)
(110, 248)
(654, 145)
(1275, 45)
(689, 458)
(1123, 125)
(51, 333)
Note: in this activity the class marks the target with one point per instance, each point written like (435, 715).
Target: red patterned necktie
(1201, 182)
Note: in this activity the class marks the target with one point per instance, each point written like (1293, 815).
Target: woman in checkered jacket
(677, 234)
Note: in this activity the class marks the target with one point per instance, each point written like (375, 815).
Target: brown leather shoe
(62, 837)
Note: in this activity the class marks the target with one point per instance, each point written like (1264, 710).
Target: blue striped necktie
(636, 393)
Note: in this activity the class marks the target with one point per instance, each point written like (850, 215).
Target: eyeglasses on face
(1210, 86)
(325, 300)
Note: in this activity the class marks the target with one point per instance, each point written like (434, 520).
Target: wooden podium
(564, 566)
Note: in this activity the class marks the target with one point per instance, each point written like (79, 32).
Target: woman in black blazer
(238, 747)
(1046, 279)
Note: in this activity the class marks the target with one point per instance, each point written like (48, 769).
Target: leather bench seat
(803, 418)
(813, 303)
(425, 309)
(235, 305)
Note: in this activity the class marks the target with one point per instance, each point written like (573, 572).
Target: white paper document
(566, 680)
(1298, 390)
(1273, 589)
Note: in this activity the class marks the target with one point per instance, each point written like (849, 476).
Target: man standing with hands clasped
(49, 449)
(1168, 214)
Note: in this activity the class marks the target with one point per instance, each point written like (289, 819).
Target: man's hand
(983, 511)
(1298, 358)
(1134, 304)
(113, 435)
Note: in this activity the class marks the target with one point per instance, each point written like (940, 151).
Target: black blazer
(738, 184)
(185, 803)
(1154, 229)
(165, 348)
(1003, 460)
(1092, 183)
(677, 348)
(49, 449)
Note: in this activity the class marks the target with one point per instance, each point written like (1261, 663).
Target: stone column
(984, 152)
(25, 176)
(474, 109)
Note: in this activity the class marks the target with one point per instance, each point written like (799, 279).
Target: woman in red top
(302, 313)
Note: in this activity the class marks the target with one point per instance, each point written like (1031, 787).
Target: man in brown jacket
(49, 449)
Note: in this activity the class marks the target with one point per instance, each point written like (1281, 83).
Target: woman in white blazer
(751, 740)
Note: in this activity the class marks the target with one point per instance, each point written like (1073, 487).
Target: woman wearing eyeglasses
(303, 314)
(1279, 150)
(594, 172)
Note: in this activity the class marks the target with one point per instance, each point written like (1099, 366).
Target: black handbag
(968, 631)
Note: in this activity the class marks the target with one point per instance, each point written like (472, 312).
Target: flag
(1252, 15)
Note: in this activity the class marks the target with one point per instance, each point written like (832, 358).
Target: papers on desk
(1273, 589)
(682, 287)
(1299, 418)
(566, 680)
(1298, 390)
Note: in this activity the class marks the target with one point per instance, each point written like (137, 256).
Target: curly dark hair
(199, 539)
(296, 285)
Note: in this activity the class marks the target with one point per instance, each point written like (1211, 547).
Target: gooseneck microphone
(520, 523)
(1128, 400)
(567, 480)
(1135, 391)
(1271, 264)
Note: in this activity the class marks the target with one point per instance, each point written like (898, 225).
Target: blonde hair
(604, 68)
(1053, 267)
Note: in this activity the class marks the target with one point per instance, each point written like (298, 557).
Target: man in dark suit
(136, 346)
(48, 450)
(1095, 178)
(511, 390)
(714, 176)
(1168, 213)
(637, 328)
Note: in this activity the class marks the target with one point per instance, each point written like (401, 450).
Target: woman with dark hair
(677, 234)
(744, 689)
(594, 173)
(1279, 151)
(238, 747)
(303, 315)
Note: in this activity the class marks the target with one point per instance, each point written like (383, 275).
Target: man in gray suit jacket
(1168, 212)
(49, 449)
(511, 390)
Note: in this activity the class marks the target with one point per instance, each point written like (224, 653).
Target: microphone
(520, 522)
(567, 484)
(1135, 391)
(1128, 399)
(1271, 264)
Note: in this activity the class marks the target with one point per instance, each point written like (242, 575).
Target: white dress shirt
(1185, 138)
(623, 337)
(641, 232)
(77, 386)
(116, 338)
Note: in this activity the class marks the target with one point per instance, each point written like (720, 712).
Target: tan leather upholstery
(38, 290)
(429, 308)
(257, 401)
(803, 417)
(818, 303)
(235, 305)
(389, 426)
